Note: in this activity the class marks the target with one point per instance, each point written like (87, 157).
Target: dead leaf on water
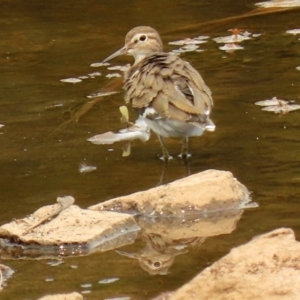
(101, 94)
(282, 109)
(99, 64)
(111, 75)
(84, 168)
(293, 31)
(278, 106)
(279, 3)
(231, 39)
(190, 41)
(71, 80)
(231, 47)
(270, 102)
(119, 68)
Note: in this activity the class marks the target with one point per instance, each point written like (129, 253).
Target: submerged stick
(253, 13)
(110, 88)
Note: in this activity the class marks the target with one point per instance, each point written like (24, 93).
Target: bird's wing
(171, 86)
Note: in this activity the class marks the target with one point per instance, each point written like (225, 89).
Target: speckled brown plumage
(171, 86)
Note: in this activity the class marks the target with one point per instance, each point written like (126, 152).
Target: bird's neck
(138, 57)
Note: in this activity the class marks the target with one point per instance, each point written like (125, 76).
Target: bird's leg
(187, 166)
(184, 155)
(163, 174)
(166, 155)
(184, 150)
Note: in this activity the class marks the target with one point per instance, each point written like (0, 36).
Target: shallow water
(44, 42)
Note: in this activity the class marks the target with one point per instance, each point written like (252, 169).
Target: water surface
(44, 42)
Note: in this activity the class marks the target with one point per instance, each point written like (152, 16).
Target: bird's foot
(184, 155)
(165, 158)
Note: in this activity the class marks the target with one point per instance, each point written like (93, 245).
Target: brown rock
(204, 192)
(267, 267)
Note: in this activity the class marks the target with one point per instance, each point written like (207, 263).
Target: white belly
(174, 128)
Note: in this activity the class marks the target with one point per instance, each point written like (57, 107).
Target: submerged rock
(201, 193)
(268, 267)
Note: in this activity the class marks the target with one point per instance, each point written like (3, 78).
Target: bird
(165, 90)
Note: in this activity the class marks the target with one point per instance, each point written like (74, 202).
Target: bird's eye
(143, 38)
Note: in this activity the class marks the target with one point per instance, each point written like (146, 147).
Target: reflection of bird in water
(166, 90)
(158, 256)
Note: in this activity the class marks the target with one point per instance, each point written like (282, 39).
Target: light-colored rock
(204, 192)
(72, 296)
(268, 267)
(86, 229)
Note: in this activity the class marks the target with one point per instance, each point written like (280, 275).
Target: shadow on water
(44, 42)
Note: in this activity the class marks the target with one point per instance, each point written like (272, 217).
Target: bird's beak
(121, 51)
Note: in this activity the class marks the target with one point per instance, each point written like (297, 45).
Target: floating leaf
(118, 298)
(71, 80)
(94, 74)
(55, 263)
(279, 3)
(113, 75)
(278, 106)
(101, 94)
(191, 47)
(231, 47)
(231, 39)
(108, 280)
(282, 109)
(101, 64)
(84, 168)
(119, 68)
(86, 285)
(293, 31)
(273, 101)
(188, 48)
(189, 41)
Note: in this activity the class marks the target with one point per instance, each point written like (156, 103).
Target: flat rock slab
(72, 296)
(268, 267)
(204, 192)
(72, 226)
